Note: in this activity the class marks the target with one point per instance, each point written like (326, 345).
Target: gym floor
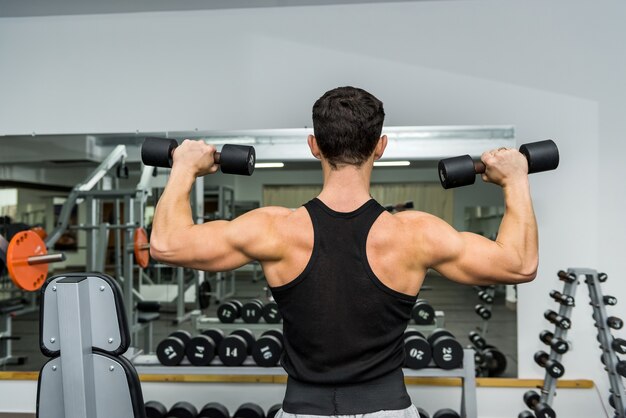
(457, 302)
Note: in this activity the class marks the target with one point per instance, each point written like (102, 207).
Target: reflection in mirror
(104, 205)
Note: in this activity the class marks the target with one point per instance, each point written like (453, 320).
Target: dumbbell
(619, 345)
(227, 312)
(558, 320)
(155, 409)
(494, 361)
(559, 345)
(200, 350)
(483, 312)
(566, 277)
(609, 300)
(421, 413)
(271, 413)
(553, 367)
(462, 170)
(541, 409)
(417, 350)
(477, 340)
(234, 159)
(271, 314)
(171, 350)
(447, 352)
(602, 277)
(252, 311)
(485, 296)
(234, 349)
(559, 297)
(214, 410)
(620, 366)
(446, 413)
(267, 350)
(249, 410)
(422, 312)
(614, 322)
(182, 410)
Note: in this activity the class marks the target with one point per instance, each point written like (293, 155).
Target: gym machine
(84, 332)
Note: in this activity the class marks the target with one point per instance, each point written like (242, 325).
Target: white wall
(552, 69)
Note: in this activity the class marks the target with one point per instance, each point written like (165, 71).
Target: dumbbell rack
(202, 323)
(548, 389)
(149, 365)
(593, 281)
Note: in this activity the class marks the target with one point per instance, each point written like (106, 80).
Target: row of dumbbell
(486, 293)
(488, 359)
(184, 409)
(564, 322)
(441, 347)
(250, 312)
(232, 350)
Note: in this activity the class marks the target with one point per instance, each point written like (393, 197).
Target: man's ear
(313, 147)
(380, 147)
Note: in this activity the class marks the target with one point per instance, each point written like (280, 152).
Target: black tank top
(341, 324)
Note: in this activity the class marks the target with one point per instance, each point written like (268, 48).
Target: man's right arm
(473, 259)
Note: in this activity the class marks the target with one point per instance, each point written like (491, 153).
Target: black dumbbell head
(252, 311)
(477, 340)
(227, 312)
(456, 171)
(249, 410)
(276, 333)
(447, 352)
(602, 277)
(233, 350)
(214, 410)
(620, 368)
(422, 413)
(237, 159)
(446, 413)
(200, 350)
(526, 414)
(609, 300)
(541, 156)
(422, 312)
(155, 409)
(614, 322)
(157, 152)
(494, 361)
(543, 410)
(418, 352)
(182, 410)
(267, 350)
(271, 314)
(619, 345)
(531, 398)
(170, 351)
(216, 334)
(271, 413)
(184, 336)
(247, 335)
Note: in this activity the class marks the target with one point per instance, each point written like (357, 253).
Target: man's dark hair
(347, 123)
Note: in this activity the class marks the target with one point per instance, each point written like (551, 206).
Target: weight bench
(84, 331)
(7, 309)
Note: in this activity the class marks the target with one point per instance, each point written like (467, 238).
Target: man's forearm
(173, 211)
(518, 230)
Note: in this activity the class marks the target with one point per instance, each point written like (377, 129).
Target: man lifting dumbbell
(361, 265)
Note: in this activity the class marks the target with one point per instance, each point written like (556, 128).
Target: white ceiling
(26, 8)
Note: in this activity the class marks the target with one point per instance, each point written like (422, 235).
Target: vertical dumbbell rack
(486, 295)
(593, 279)
(548, 389)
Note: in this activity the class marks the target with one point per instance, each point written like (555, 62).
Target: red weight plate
(142, 248)
(24, 245)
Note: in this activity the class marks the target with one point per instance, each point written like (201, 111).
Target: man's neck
(346, 188)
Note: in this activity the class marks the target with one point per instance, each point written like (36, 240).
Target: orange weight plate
(23, 245)
(141, 248)
(40, 231)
